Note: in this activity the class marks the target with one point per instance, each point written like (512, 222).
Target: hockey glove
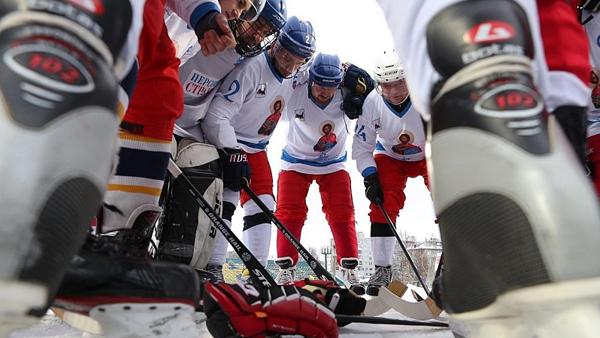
(214, 34)
(340, 301)
(373, 189)
(239, 310)
(590, 5)
(235, 168)
(357, 84)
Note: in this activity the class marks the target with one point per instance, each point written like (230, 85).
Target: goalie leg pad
(509, 155)
(188, 235)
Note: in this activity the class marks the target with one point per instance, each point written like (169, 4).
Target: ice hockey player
(187, 233)
(131, 203)
(518, 218)
(59, 122)
(315, 150)
(240, 121)
(388, 147)
(592, 27)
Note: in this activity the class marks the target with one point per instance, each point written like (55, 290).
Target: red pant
(593, 158)
(157, 99)
(565, 42)
(336, 196)
(393, 175)
(261, 177)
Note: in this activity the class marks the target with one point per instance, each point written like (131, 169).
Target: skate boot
(287, 271)
(380, 278)
(348, 270)
(128, 294)
(212, 273)
(519, 220)
(57, 144)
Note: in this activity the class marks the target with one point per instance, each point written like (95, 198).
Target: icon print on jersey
(595, 83)
(270, 123)
(405, 145)
(329, 139)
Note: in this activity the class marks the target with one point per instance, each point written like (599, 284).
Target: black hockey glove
(373, 189)
(357, 84)
(590, 5)
(235, 168)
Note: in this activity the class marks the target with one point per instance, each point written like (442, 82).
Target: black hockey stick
(347, 319)
(259, 274)
(314, 264)
(412, 264)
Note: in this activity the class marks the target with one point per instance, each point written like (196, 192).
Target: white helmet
(389, 68)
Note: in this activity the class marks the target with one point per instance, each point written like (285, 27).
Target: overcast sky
(355, 30)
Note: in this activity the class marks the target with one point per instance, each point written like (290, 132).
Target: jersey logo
(92, 6)
(299, 114)
(377, 124)
(489, 31)
(261, 91)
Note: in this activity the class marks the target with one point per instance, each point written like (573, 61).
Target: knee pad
(187, 233)
(58, 95)
(500, 164)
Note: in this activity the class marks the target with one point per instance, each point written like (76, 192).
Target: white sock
(383, 250)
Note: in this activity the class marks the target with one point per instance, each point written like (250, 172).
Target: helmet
(326, 70)
(298, 37)
(256, 7)
(267, 26)
(389, 68)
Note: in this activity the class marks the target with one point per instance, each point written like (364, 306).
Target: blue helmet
(298, 37)
(326, 70)
(269, 23)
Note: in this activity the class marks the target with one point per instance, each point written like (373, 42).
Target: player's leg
(383, 240)
(517, 215)
(257, 225)
(336, 196)
(57, 128)
(291, 210)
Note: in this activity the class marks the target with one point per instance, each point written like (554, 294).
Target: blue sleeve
(201, 11)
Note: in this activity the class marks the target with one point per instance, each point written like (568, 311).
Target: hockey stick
(347, 319)
(388, 299)
(259, 274)
(412, 264)
(314, 264)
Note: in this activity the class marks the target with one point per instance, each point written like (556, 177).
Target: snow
(52, 327)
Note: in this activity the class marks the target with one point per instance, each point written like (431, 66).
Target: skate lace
(381, 277)
(216, 270)
(286, 276)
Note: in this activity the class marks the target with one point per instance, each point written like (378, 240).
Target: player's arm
(209, 24)
(364, 140)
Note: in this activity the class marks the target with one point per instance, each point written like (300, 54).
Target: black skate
(129, 295)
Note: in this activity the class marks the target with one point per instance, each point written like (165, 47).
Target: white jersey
(408, 19)
(316, 139)
(592, 29)
(128, 54)
(200, 77)
(247, 106)
(381, 129)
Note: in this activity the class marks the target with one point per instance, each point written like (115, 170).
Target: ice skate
(287, 271)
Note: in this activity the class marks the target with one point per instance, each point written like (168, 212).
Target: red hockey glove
(240, 310)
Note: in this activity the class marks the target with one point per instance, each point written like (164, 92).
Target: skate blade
(558, 310)
(78, 321)
(16, 299)
(145, 320)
